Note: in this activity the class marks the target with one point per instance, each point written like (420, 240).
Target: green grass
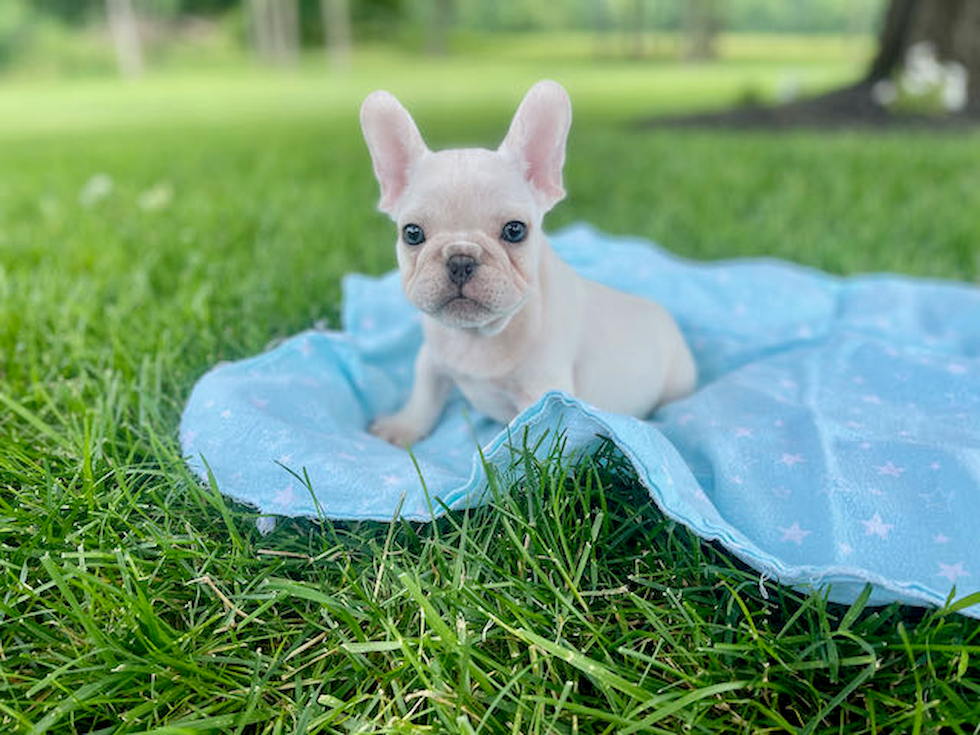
(135, 600)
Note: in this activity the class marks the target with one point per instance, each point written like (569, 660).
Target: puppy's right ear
(394, 142)
(536, 140)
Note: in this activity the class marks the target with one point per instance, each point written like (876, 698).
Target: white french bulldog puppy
(504, 318)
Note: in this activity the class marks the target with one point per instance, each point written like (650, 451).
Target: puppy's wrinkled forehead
(466, 188)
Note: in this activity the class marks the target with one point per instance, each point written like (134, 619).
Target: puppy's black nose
(461, 268)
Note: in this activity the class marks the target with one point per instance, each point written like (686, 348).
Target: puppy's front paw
(397, 429)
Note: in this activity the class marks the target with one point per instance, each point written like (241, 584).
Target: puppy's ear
(536, 140)
(394, 142)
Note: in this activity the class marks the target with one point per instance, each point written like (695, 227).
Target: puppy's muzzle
(461, 268)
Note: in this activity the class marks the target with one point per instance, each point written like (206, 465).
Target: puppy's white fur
(525, 322)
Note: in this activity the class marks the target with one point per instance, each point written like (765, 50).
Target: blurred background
(195, 167)
(282, 57)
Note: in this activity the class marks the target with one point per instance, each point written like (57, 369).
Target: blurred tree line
(278, 29)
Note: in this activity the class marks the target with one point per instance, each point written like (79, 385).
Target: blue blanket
(834, 438)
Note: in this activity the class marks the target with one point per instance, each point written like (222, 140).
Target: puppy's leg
(682, 378)
(531, 393)
(429, 393)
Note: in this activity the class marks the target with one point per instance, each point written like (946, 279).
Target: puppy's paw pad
(396, 430)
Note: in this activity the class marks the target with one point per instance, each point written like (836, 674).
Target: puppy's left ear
(536, 140)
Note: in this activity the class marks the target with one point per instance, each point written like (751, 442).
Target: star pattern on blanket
(795, 534)
(875, 526)
(791, 459)
(835, 432)
(890, 469)
(952, 572)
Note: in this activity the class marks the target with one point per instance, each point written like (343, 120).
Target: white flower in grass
(265, 524)
(97, 188)
(788, 88)
(884, 92)
(922, 70)
(924, 75)
(155, 198)
(954, 92)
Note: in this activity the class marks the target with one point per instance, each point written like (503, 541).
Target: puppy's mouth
(458, 310)
(459, 302)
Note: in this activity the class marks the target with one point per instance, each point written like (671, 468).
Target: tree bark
(891, 43)
(952, 27)
(125, 36)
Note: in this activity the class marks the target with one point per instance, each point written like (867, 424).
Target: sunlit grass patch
(486, 74)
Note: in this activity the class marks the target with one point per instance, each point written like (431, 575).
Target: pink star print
(952, 571)
(790, 459)
(794, 533)
(741, 431)
(890, 469)
(875, 527)
(285, 496)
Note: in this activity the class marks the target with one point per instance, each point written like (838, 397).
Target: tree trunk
(125, 36)
(952, 27)
(275, 27)
(638, 23)
(289, 30)
(261, 28)
(336, 33)
(437, 41)
(600, 26)
(703, 22)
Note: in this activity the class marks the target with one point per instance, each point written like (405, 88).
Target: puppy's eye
(514, 231)
(413, 234)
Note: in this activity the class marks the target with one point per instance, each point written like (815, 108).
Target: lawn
(149, 230)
